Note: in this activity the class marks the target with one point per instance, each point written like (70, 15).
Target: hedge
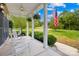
(39, 36)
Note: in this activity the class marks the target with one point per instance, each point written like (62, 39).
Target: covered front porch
(27, 45)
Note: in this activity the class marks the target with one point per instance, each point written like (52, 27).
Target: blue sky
(60, 8)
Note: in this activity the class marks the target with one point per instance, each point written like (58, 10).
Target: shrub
(10, 24)
(23, 34)
(51, 40)
(39, 36)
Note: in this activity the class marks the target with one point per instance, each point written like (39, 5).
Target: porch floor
(25, 46)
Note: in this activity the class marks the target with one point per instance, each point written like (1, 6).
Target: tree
(77, 19)
(65, 18)
(50, 23)
(69, 20)
(18, 21)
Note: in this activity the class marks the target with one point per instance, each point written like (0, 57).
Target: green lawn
(72, 34)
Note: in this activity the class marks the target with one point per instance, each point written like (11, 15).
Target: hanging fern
(29, 19)
(36, 16)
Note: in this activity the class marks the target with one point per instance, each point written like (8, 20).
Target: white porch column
(32, 27)
(27, 24)
(45, 40)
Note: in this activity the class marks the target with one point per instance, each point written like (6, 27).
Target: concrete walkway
(67, 50)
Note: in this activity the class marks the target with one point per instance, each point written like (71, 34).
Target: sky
(60, 8)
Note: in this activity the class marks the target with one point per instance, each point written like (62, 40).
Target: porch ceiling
(22, 9)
